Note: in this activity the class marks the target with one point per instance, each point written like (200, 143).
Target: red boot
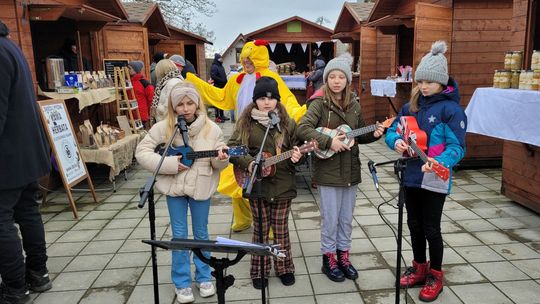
(433, 286)
(414, 275)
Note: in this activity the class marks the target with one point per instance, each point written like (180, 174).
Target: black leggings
(424, 210)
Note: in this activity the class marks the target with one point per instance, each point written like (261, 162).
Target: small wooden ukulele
(349, 135)
(417, 141)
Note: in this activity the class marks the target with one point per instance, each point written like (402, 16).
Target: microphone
(274, 120)
(181, 123)
(373, 171)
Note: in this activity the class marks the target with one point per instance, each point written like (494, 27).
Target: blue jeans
(180, 269)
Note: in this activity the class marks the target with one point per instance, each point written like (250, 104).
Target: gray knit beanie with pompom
(433, 67)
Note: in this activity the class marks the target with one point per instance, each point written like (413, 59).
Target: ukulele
(269, 163)
(189, 156)
(417, 141)
(349, 135)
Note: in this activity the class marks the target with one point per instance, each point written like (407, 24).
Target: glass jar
(522, 80)
(505, 78)
(535, 60)
(496, 79)
(508, 60)
(517, 58)
(514, 83)
(536, 81)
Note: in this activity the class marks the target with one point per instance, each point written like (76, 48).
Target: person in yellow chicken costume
(236, 95)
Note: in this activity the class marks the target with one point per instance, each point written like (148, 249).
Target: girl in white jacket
(186, 186)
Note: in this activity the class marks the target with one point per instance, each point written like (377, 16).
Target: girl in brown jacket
(277, 190)
(186, 186)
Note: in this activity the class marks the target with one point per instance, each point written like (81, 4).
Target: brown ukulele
(269, 164)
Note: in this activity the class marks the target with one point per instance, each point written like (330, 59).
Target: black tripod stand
(399, 169)
(147, 194)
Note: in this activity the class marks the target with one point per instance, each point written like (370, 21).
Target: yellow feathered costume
(226, 99)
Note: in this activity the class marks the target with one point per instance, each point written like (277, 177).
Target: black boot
(10, 295)
(331, 269)
(345, 265)
(38, 281)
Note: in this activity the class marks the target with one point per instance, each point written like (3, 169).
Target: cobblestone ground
(492, 245)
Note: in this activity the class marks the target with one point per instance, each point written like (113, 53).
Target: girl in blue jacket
(435, 105)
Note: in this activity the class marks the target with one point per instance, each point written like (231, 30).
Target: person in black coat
(217, 73)
(71, 61)
(25, 158)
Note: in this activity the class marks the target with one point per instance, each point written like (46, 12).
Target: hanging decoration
(319, 44)
(304, 46)
(272, 46)
(288, 47)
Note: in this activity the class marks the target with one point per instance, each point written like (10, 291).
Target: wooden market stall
(130, 39)
(292, 40)
(350, 28)
(478, 35)
(186, 44)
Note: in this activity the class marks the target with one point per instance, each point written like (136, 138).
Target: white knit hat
(341, 63)
(183, 89)
(433, 66)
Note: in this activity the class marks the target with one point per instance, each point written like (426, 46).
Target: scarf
(161, 84)
(263, 119)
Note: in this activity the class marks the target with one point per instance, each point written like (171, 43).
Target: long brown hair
(244, 123)
(346, 96)
(415, 94)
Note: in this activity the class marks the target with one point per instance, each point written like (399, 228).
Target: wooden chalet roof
(183, 34)
(272, 32)
(233, 44)
(352, 14)
(148, 14)
(383, 8)
(100, 11)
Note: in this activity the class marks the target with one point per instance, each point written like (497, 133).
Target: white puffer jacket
(200, 181)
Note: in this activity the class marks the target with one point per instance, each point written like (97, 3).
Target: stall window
(405, 41)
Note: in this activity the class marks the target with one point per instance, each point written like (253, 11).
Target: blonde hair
(415, 94)
(171, 113)
(163, 67)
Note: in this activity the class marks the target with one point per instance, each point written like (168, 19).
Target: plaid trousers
(275, 214)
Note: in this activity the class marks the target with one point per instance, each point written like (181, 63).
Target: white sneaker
(206, 289)
(184, 295)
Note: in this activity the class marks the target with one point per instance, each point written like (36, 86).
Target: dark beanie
(137, 65)
(4, 31)
(266, 87)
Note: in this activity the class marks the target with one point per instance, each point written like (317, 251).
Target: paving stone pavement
(492, 245)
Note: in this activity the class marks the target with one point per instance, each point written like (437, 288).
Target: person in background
(337, 177)
(217, 74)
(25, 158)
(69, 53)
(168, 75)
(144, 90)
(155, 59)
(316, 77)
(186, 187)
(435, 103)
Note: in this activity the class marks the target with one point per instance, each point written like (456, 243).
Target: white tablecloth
(294, 82)
(383, 87)
(505, 113)
(85, 98)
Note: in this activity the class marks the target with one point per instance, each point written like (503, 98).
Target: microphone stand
(147, 194)
(399, 169)
(256, 178)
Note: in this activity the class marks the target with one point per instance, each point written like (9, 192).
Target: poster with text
(64, 142)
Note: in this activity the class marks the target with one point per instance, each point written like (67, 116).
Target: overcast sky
(244, 16)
